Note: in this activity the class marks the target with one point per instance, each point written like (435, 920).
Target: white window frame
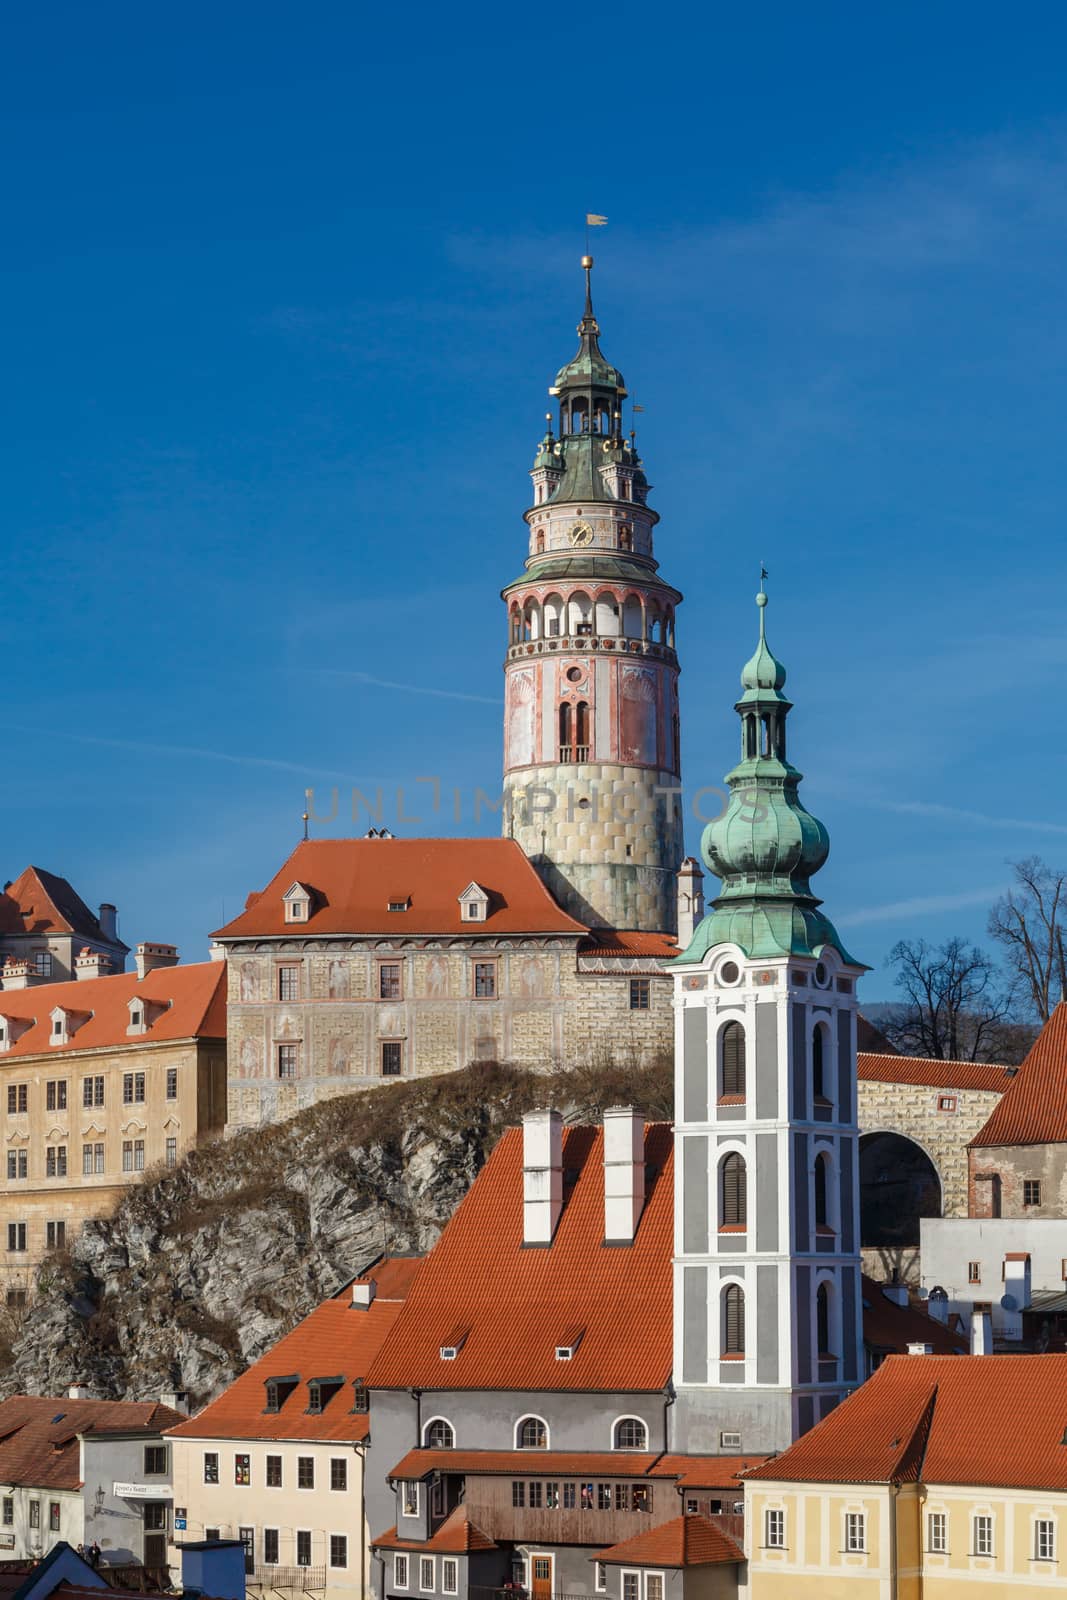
(401, 1563)
(410, 1491)
(600, 1577)
(938, 1519)
(428, 1424)
(646, 1576)
(424, 1562)
(855, 1527)
(446, 1587)
(331, 1565)
(778, 1514)
(264, 1532)
(629, 1449)
(532, 1416)
(629, 1572)
(1050, 1524)
(983, 1520)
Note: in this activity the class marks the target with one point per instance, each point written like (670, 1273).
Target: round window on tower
(574, 674)
(729, 972)
(822, 977)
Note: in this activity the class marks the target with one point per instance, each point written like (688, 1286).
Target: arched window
(531, 1434)
(733, 1199)
(540, 541)
(581, 730)
(822, 1319)
(732, 1048)
(439, 1435)
(733, 1320)
(630, 1434)
(818, 1063)
(626, 538)
(750, 738)
(565, 731)
(820, 1192)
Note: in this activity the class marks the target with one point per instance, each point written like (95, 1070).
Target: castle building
(768, 1328)
(45, 926)
(591, 758)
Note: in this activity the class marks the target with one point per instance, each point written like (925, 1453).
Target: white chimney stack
(151, 956)
(917, 1349)
(624, 1173)
(690, 899)
(363, 1292)
(176, 1399)
(542, 1175)
(78, 1391)
(91, 964)
(981, 1331)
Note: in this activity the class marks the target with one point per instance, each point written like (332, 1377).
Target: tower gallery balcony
(635, 647)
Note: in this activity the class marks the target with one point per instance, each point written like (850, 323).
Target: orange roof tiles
(686, 1541)
(887, 1326)
(996, 1421)
(504, 1463)
(353, 881)
(194, 997)
(515, 1299)
(623, 942)
(704, 1472)
(1033, 1110)
(39, 1436)
(40, 902)
(933, 1074)
(337, 1339)
(457, 1535)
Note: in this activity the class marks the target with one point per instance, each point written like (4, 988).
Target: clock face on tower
(581, 534)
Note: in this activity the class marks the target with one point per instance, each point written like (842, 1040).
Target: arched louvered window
(820, 1192)
(733, 1190)
(818, 1063)
(733, 1320)
(732, 1047)
(822, 1319)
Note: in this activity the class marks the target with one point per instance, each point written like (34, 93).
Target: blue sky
(283, 291)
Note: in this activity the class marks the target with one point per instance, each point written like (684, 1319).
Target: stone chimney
(151, 956)
(176, 1399)
(78, 1391)
(981, 1331)
(363, 1292)
(624, 1173)
(91, 963)
(18, 974)
(542, 1175)
(690, 899)
(109, 922)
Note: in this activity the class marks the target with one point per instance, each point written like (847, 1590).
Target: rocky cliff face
(202, 1269)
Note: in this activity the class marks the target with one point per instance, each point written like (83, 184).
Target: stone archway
(899, 1184)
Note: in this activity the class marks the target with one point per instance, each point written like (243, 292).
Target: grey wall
(695, 1064)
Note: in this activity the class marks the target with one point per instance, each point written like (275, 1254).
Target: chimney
(363, 1292)
(981, 1331)
(916, 1349)
(624, 1173)
(542, 1175)
(176, 1399)
(1017, 1280)
(216, 951)
(109, 922)
(91, 963)
(690, 899)
(897, 1293)
(78, 1391)
(151, 956)
(18, 974)
(937, 1306)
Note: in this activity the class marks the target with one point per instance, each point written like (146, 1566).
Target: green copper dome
(766, 847)
(590, 368)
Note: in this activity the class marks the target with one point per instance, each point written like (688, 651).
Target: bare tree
(1027, 923)
(954, 1006)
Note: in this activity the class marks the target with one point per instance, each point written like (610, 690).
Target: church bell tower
(591, 759)
(768, 1332)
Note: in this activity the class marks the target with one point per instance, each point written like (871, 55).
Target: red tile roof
(516, 1300)
(353, 881)
(40, 902)
(933, 1074)
(505, 1463)
(704, 1472)
(622, 942)
(457, 1535)
(995, 1421)
(39, 1436)
(336, 1340)
(194, 996)
(686, 1541)
(889, 1327)
(1033, 1109)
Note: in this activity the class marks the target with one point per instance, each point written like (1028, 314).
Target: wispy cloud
(308, 769)
(930, 905)
(404, 688)
(929, 808)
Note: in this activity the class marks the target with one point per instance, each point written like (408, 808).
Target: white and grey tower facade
(768, 1327)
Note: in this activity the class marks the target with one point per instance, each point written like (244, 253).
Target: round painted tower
(592, 772)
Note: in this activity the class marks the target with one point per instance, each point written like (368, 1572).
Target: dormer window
(400, 902)
(279, 1390)
(473, 903)
(568, 1343)
(65, 1024)
(320, 1392)
(360, 1396)
(12, 1029)
(143, 1013)
(297, 902)
(454, 1343)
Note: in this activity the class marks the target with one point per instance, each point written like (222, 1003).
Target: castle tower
(591, 761)
(768, 1332)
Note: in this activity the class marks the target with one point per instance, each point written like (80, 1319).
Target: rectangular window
(211, 1466)
(133, 1088)
(270, 1547)
(35, 1513)
(288, 983)
(338, 1472)
(17, 1163)
(274, 1472)
(640, 994)
(552, 1496)
(485, 980)
(287, 1061)
(622, 1496)
(631, 1586)
(392, 1058)
(305, 1472)
(983, 1536)
(55, 1094)
(87, 1161)
(59, 1155)
(55, 1235)
(172, 1152)
(653, 1586)
(53, 1516)
(155, 1458)
(411, 1499)
(1032, 1192)
(600, 1577)
(774, 1530)
(92, 1092)
(98, 1154)
(641, 1497)
(138, 1155)
(303, 1547)
(127, 1155)
(155, 1516)
(212, 1535)
(535, 1496)
(569, 1496)
(937, 1533)
(400, 1572)
(16, 1098)
(946, 1102)
(9, 1512)
(974, 1272)
(604, 1497)
(450, 1576)
(242, 1470)
(856, 1531)
(389, 980)
(518, 1492)
(338, 1550)
(172, 1083)
(1044, 1539)
(16, 1236)
(426, 1574)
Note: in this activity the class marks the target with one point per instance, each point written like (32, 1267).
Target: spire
(588, 322)
(589, 370)
(765, 847)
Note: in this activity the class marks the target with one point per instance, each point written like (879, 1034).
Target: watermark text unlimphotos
(525, 804)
